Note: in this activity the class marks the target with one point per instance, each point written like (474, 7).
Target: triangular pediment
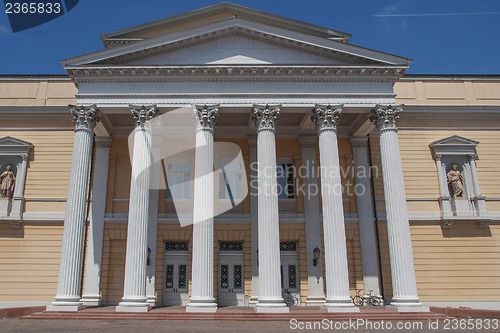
(236, 40)
(9, 141)
(455, 140)
(237, 49)
(14, 147)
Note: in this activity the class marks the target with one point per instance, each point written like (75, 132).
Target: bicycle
(290, 299)
(371, 299)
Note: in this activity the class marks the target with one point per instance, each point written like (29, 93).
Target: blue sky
(441, 36)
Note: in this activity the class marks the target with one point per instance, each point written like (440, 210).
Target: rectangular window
(179, 180)
(286, 181)
(230, 181)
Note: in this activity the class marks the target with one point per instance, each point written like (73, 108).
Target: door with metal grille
(289, 269)
(231, 279)
(175, 275)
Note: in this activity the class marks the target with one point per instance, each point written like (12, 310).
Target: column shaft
(202, 290)
(404, 286)
(270, 299)
(134, 290)
(336, 271)
(70, 269)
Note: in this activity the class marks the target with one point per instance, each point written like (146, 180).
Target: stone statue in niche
(7, 181)
(455, 182)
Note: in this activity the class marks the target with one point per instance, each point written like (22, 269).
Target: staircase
(237, 314)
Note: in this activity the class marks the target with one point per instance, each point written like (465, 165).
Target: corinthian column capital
(386, 116)
(85, 117)
(142, 113)
(205, 116)
(325, 117)
(265, 116)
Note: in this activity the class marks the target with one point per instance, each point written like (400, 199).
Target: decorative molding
(386, 117)
(85, 117)
(142, 114)
(325, 117)
(265, 116)
(206, 116)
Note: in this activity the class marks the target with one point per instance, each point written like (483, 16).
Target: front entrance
(176, 274)
(289, 269)
(231, 279)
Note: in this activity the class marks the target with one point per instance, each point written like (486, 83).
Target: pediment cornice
(278, 36)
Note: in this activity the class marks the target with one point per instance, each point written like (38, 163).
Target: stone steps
(234, 315)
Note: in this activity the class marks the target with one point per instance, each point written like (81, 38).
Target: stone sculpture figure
(456, 182)
(7, 180)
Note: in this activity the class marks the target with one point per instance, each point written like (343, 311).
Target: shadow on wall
(466, 229)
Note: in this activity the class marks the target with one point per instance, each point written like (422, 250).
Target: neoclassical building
(310, 168)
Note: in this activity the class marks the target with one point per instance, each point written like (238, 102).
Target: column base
(254, 300)
(65, 307)
(91, 300)
(409, 307)
(133, 307)
(151, 301)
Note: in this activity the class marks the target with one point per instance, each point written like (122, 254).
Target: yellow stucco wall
(29, 261)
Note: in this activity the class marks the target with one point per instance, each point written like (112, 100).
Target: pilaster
(316, 295)
(96, 227)
(365, 215)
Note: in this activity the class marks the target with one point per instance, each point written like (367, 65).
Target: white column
(96, 227)
(18, 197)
(202, 289)
(336, 272)
(479, 199)
(254, 220)
(365, 215)
(404, 286)
(316, 295)
(270, 299)
(134, 291)
(70, 269)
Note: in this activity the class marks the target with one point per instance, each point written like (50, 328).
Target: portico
(313, 88)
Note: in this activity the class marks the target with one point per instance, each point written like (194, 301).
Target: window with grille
(237, 277)
(169, 280)
(286, 181)
(230, 246)
(292, 276)
(230, 180)
(182, 276)
(288, 246)
(179, 180)
(224, 276)
(176, 246)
